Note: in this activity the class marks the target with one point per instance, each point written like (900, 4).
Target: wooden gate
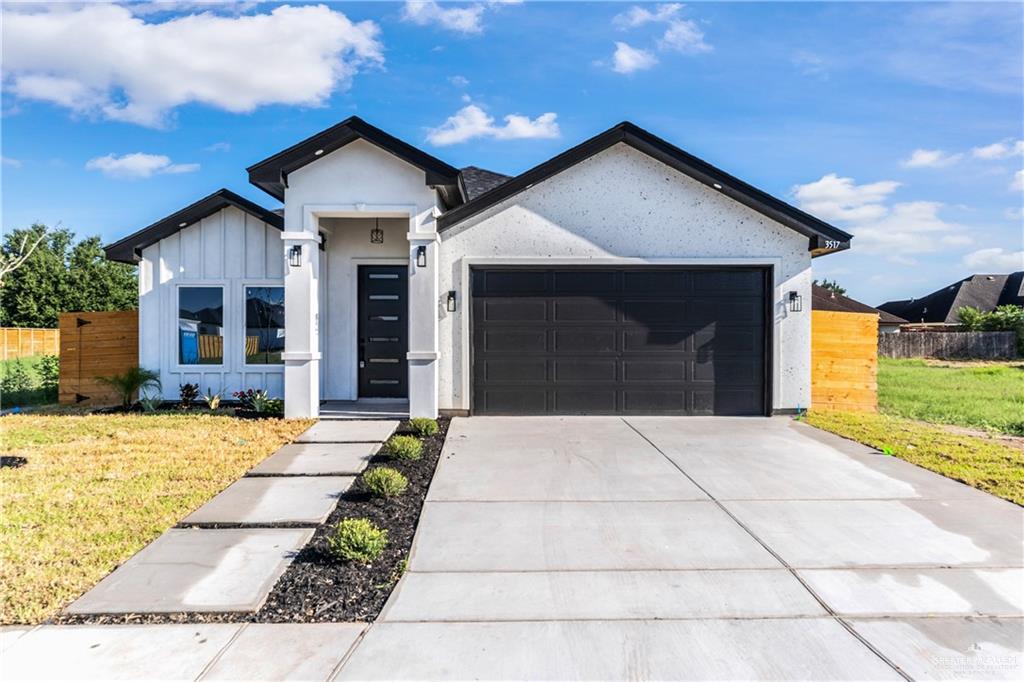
(94, 345)
(844, 361)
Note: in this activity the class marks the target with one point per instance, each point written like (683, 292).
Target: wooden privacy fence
(844, 361)
(979, 345)
(21, 342)
(94, 345)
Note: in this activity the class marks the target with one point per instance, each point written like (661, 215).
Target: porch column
(301, 320)
(423, 314)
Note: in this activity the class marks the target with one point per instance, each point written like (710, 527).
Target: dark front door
(651, 340)
(383, 331)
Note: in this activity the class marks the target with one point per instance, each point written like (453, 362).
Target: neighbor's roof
(826, 299)
(129, 249)
(984, 292)
(824, 238)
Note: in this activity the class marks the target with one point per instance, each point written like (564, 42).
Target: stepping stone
(198, 570)
(318, 459)
(349, 431)
(286, 651)
(117, 652)
(304, 499)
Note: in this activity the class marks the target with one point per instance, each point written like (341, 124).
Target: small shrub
(16, 378)
(150, 403)
(259, 401)
(213, 399)
(188, 394)
(423, 426)
(357, 540)
(385, 482)
(49, 372)
(404, 447)
(131, 382)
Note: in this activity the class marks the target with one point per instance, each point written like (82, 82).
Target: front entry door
(383, 331)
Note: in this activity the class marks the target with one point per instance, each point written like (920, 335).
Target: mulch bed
(316, 587)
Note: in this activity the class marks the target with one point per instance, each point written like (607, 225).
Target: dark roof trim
(271, 174)
(129, 249)
(823, 238)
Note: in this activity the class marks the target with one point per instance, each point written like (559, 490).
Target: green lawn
(35, 394)
(987, 396)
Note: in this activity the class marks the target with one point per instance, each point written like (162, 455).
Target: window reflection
(200, 325)
(264, 325)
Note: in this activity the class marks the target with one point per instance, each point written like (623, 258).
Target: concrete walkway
(663, 548)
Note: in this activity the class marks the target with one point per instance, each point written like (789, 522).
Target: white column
(423, 316)
(301, 318)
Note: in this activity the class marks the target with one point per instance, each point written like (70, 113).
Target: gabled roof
(475, 181)
(984, 292)
(129, 249)
(271, 174)
(826, 299)
(823, 238)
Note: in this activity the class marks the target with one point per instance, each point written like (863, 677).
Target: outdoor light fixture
(796, 302)
(450, 305)
(295, 256)
(421, 256)
(376, 234)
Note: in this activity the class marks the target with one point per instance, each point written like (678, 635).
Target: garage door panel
(655, 340)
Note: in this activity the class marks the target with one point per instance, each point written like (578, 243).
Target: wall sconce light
(295, 256)
(450, 304)
(796, 302)
(421, 256)
(376, 234)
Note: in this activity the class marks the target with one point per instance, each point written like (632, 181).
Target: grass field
(33, 396)
(96, 489)
(978, 395)
(985, 463)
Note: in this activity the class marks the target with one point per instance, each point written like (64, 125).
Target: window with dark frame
(264, 325)
(200, 325)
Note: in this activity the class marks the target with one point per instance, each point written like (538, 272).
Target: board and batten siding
(230, 249)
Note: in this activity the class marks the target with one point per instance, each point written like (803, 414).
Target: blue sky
(900, 122)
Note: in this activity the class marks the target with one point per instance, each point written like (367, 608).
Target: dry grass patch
(984, 463)
(98, 488)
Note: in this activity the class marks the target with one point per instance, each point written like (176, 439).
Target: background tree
(832, 286)
(61, 275)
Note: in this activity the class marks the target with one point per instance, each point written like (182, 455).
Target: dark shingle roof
(984, 292)
(476, 181)
(826, 299)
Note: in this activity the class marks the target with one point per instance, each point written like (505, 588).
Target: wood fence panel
(844, 361)
(95, 345)
(978, 345)
(22, 342)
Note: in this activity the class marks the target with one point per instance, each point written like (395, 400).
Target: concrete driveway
(688, 548)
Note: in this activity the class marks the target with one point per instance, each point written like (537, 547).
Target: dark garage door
(623, 341)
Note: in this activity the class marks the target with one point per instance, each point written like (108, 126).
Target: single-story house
(984, 292)
(827, 299)
(622, 276)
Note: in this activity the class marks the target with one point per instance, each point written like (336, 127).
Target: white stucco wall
(230, 249)
(621, 206)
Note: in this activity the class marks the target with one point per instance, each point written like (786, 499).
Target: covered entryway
(638, 340)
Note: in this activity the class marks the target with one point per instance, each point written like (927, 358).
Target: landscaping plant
(423, 426)
(150, 403)
(259, 401)
(131, 382)
(49, 373)
(187, 395)
(357, 540)
(212, 399)
(404, 447)
(1005, 318)
(385, 482)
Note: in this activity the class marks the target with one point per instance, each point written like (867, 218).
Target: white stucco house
(623, 276)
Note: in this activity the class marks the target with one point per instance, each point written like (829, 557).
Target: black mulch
(316, 587)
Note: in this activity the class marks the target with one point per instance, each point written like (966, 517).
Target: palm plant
(129, 383)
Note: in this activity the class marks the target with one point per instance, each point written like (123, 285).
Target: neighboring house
(621, 276)
(826, 299)
(984, 292)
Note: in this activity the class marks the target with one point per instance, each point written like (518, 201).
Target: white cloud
(999, 150)
(994, 260)
(842, 199)
(930, 158)
(810, 64)
(102, 60)
(8, 161)
(138, 165)
(180, 6)
(684, 36)
(218, 147)
(681, 35)
(628, 59)
(472, 122)
(461, 18)
(638, 16)
(1017, 184)
(458, 81)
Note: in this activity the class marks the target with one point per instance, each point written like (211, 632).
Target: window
(200, 325)
(264, 325)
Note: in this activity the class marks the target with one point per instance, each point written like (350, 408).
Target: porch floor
(364, 408)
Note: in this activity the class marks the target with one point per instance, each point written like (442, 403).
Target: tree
(832, 286)
(60, 275)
